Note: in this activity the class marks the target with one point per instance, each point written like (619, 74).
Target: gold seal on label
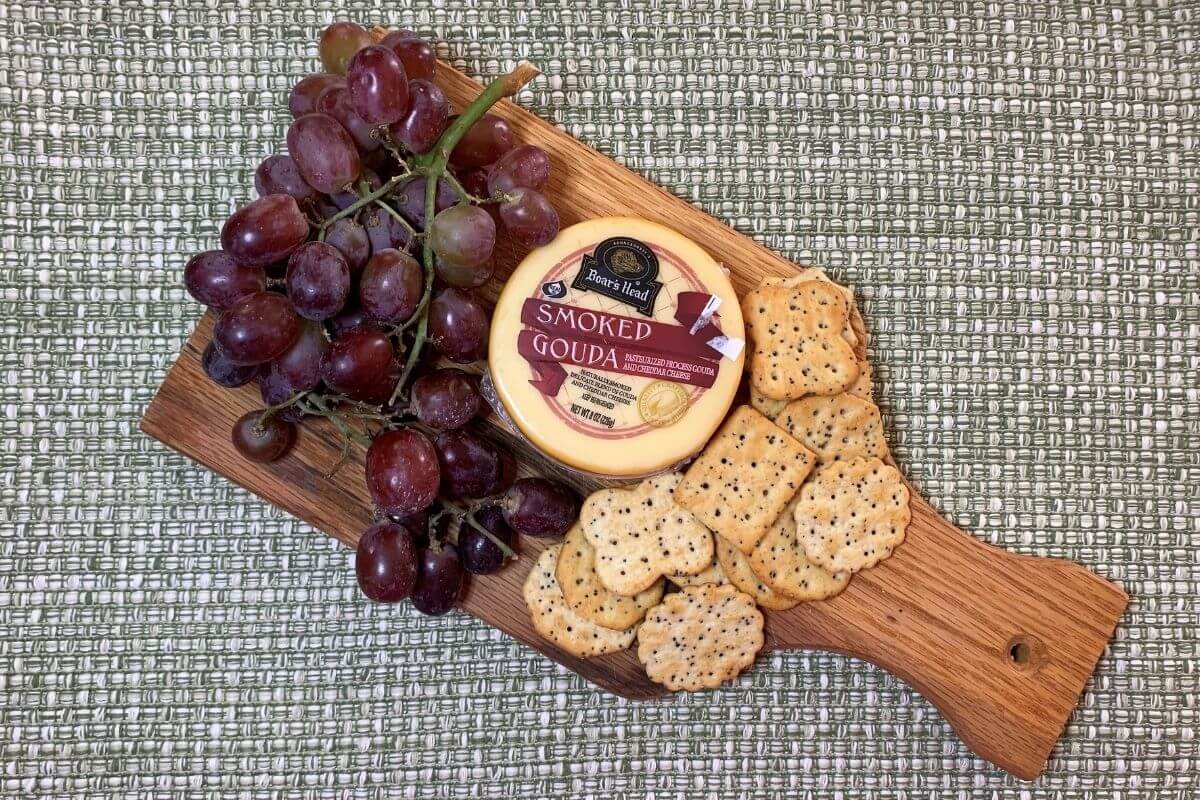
(662, 403)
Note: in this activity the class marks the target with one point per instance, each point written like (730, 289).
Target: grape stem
(396, 216)
(433, 165)
(467, 516)
(463, 195)
(270, 411)
(362, 201)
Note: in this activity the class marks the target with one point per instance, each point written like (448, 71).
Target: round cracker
(700, 637)
(852, 514)
(779, 562)
(557, 623)
(737, 569)
(588, 597)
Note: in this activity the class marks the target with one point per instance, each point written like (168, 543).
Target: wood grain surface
(1002, 644)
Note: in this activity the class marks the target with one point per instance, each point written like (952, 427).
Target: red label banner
(558, 334)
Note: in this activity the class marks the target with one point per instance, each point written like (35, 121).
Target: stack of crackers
(787, 501)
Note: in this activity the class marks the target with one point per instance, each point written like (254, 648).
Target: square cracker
(744, 477)
(737, 569)
(797, 343)
(852, 514)
(779, 562)
(700, 637)
(641, 534)
(556, 622)
(588, 597)
(837, 427)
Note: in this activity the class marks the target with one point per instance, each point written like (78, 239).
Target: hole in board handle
(1025, 653)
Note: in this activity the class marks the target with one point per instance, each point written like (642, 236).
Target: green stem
(467, 517)
(364, 200)
(433, 166)
(396, 216)
(463, 195)
(270, 411)
(347, 429)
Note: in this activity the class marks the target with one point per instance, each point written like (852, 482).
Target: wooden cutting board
(1002, 644)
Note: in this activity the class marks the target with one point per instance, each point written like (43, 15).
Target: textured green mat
(1014, 188)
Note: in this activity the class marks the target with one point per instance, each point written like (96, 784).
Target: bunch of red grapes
(367, 242)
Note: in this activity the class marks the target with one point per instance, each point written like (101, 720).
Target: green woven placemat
(1013, 187)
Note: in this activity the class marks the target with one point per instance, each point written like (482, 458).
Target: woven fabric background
(1013, 187)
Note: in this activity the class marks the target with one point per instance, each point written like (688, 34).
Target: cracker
(862, 387)
(640, 535)
(587, 597)
(557, 623)
(779, 562)
(852, 514)
(712, 574)
(807, 274)
(767, 406)
(837, 427)
(797, 343)
(700, 637)
(737, 570)
(744, 478)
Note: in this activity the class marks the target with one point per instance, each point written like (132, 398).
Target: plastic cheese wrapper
(616, 350)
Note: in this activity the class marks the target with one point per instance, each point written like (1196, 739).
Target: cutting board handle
(1002, 644)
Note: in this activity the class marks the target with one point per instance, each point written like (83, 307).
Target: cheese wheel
(617, 348)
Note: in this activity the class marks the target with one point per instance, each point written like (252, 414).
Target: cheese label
(618, 338)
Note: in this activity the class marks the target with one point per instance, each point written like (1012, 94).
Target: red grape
(351, 241)
(486, 140)
(427, 117)
(378, 85)
(224, 372)
(463, 235)
(215, 279)
(256, 328)
(446, 398)
(417, 55)
(391, 286)
(380, 161)
(479, 554)
(417, 522)
(385, 562)
(350, 196)
(439, 580)
(402, 472)
(528, 217)
(458, 326)
(385, 232)
(410, 200)
(279, 175)
(275, 389)
(324, 152)
(351, 317)
(303, 99)
(526, 166)
(475, 180)
(300, 364)
(265, 231)
(261, 439)
(464, 277)
(361, 364)
(318, 280)
(471, 465)
(540, 507)
(339, 42)
(335, 101)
